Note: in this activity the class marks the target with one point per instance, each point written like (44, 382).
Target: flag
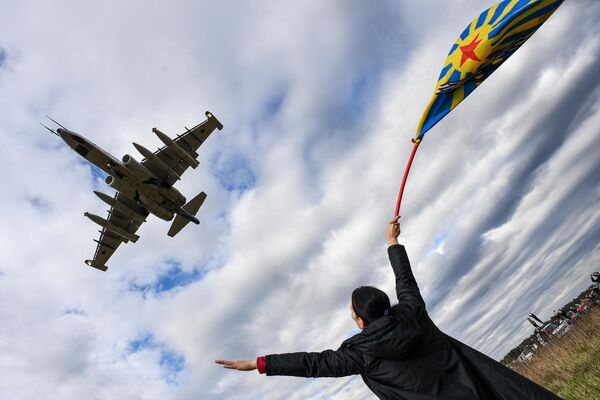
(488, 41)
(484, 45)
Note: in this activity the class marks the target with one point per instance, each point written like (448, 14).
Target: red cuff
(261, 364)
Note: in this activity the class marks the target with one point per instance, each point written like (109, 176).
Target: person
(540, 336)
(594, 293)
(400, 353)
(581, 308)
(595, 277)
(563, 316)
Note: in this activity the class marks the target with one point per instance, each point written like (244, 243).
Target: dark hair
(370, 304)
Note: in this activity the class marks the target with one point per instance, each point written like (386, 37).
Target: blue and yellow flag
(482, 47)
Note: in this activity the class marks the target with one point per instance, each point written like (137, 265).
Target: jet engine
(141, 172)
(117, 184)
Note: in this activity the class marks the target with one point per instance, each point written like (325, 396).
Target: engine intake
(138, 169)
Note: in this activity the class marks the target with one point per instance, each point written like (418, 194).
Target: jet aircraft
(142, 187)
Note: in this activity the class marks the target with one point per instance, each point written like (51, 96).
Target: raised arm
(406, 286)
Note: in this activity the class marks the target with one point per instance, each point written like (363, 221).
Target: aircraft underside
(142, 187)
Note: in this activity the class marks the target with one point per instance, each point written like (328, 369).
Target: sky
(319, 101)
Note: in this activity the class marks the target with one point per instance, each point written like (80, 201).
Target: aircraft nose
(65, 133)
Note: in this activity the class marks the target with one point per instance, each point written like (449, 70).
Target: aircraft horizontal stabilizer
(181, 219)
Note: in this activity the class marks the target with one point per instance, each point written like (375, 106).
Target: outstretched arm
(406, 285)
(328, 363)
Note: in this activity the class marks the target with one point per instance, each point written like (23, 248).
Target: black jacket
(418, 362)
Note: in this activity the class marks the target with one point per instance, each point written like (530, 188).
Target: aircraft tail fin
(191, 208)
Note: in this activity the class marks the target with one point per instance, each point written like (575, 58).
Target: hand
(393, 231)
(240, 365)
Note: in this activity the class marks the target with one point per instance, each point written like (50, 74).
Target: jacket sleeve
(406, 286)
(328, 363)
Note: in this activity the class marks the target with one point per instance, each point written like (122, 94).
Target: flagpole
(406, 171)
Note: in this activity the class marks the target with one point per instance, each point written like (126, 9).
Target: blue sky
(171, 362)
(319, 100)
(172, 278)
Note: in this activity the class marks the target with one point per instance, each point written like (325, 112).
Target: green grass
(571, 367)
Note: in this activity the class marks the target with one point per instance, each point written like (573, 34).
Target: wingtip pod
(91, 263)
(210, 116)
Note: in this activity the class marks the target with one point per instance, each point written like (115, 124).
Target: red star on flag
(468, 51)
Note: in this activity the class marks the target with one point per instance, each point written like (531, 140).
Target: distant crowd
(591, 298)
(563, 318)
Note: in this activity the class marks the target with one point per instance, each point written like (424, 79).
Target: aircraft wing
(170, 156)
(121, 219)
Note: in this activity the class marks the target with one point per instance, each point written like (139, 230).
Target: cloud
(2, 57)
(318, 101)
(234, 172)
(171, 363)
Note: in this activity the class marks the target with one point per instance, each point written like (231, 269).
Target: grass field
(571, 367)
